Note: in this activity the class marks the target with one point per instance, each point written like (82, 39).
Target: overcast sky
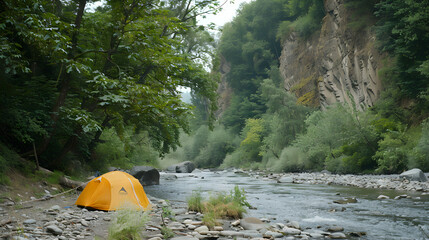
(226, 15)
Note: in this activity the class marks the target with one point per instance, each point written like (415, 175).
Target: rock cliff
(338, 64)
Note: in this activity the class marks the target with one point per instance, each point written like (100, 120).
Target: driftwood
(68, 183)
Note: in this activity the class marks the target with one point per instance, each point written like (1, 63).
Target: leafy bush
(220, 142)
(419, 156)
(133, 149)
(291, 159)
(128, 224)
(392, 155)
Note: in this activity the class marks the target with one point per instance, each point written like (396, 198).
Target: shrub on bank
(220, 205)
(128, 224)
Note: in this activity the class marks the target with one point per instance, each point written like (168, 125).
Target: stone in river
(383, 197)
(335, 229)
(290, 231)
(338, 235)
(270, 234)
(346, 200)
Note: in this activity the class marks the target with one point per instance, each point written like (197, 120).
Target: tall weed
(128, 224)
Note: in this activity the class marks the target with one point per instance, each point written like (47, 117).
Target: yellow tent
(112, 191)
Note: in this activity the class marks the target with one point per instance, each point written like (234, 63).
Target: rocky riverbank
(57, 219)
(394, 182)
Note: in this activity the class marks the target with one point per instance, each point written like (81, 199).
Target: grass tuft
(128, 224)
(220, 205)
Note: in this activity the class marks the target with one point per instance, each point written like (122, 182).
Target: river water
(312, 205)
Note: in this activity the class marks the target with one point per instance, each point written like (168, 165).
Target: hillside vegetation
(82, 89)
(265, 128)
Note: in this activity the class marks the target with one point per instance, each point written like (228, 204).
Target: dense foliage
(75, 80)
(264, 126)
(100, 87)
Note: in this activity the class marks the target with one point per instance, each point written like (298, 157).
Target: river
(312, 205)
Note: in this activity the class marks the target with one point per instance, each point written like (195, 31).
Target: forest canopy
(73, 78)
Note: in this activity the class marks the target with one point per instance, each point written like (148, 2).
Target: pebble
(54, 230)
(338, 235)
(29, 221)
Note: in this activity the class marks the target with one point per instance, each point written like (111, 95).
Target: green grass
(128, 225)
(220, 205)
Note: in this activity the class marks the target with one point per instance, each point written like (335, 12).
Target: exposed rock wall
(336, 65)
(224, 90)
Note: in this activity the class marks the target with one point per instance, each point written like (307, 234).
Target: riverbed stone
(338, 235)
(271, 234)
(252, 223)
(383, 197)
(291, 231)
(53, 229)
(231, 233)
(414, 174)
(203, 230)
(335, 229)
(346, 201)
(29, 222)
(293, 224)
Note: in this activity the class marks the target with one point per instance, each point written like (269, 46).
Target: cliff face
(338, 65)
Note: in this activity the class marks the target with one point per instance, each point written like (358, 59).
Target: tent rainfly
(113, 191)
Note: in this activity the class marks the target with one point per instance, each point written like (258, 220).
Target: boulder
(146, 175)
(414, 174)
(285, 179)
(185, 167)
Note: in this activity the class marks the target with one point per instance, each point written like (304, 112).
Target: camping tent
(112, 191)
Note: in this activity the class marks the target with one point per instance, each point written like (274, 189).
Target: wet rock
(146, 175)
(335, 229)
(414, 174)
(53, 229)
(218, 228)
(231, 234)
(338, 235)
(235, 223)
(293, 224)
(401, 196)
(346, 201)
(84, 223)
(203, 230)
(185, 167)
(383, 197)
(169, 176)
(155, 238)
(290, 231)
(270, 234)
(252, 223)
(285, 179)
(184, 238)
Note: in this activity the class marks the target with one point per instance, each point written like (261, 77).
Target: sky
(226, 15)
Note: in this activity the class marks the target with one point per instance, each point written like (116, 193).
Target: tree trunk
(65, 85)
